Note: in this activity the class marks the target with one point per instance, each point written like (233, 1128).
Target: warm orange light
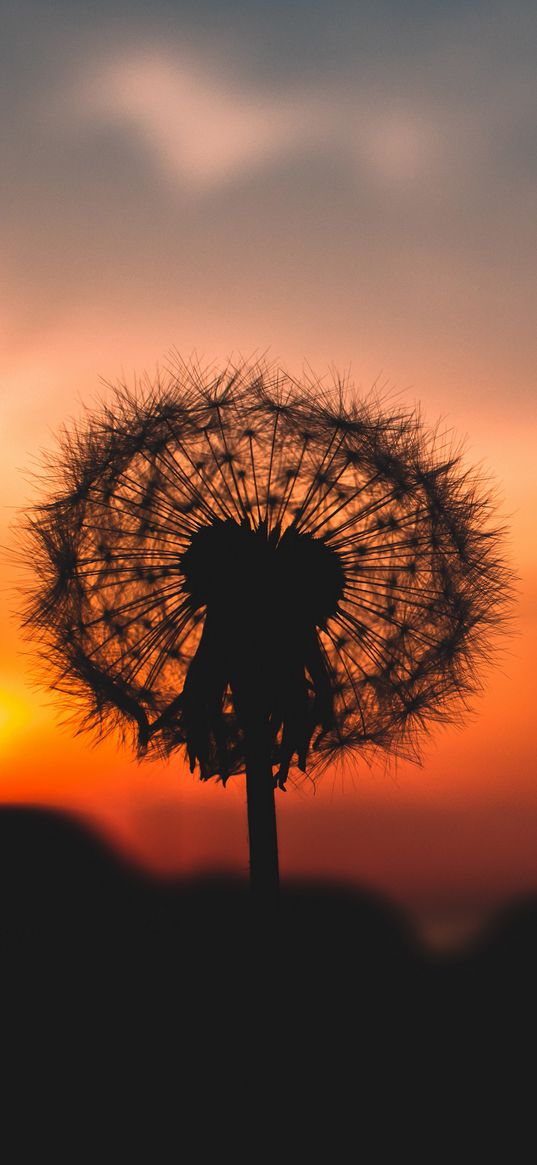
(15, 711)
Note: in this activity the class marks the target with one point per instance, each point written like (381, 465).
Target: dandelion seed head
(231, 553)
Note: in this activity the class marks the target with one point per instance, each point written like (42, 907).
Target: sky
(348, 186)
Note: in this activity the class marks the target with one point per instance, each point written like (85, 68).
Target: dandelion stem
(262, 835)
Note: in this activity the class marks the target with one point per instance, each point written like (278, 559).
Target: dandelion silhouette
(264, 574)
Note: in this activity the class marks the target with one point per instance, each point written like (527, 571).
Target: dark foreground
(103, 966)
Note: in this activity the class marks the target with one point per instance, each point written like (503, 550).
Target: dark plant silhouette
(264, 573)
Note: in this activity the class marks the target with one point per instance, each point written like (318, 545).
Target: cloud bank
(204, 128)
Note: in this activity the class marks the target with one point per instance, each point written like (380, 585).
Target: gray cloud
(197, 123)
(203, 125)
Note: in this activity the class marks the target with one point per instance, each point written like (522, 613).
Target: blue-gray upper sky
(337, 181)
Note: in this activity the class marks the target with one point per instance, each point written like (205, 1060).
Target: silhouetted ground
(102, 965)
(68, 903)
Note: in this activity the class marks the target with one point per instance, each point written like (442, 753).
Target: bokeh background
(351, 185)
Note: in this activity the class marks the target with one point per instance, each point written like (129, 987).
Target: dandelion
(264, 575)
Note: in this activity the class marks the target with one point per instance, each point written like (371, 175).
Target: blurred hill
(96, 955)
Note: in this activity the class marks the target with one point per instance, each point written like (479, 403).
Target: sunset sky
(344, 184)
